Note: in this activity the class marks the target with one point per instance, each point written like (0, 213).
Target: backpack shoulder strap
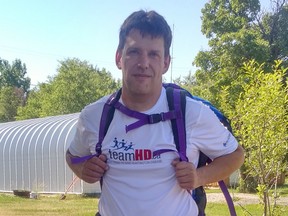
(105, 121)
(177, 101)
(176, 97)
(108, 113)
(106, 118)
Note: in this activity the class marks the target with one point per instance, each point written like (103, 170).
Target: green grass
(73, 205)
(282, 190)
(217, 209)
(214, 209)
(76, 205)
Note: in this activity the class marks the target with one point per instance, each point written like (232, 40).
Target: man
(134, 182)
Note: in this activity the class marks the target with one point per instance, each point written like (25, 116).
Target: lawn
(47, 205)
(77, 205)
(213, 209)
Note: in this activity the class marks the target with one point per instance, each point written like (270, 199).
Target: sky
(41, 33)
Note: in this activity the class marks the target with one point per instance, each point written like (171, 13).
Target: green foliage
(77, 84)
(253, 97)
(10, 99)
(238, 32)
(273, 29)
(14, 86)
(261, 123)
(232, 39)
(33, 106)
(221, 16)
(14, 75)
(256, 102)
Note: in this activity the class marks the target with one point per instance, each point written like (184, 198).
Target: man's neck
(140, 102)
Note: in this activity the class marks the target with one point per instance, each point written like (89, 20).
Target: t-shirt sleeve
(86, 135)
(207, 133)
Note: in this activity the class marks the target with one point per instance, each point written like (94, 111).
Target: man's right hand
(94, 169)
(91, 170)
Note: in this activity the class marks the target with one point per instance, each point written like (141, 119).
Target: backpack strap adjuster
(155, 118)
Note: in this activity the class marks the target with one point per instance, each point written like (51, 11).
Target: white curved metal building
(32, 156)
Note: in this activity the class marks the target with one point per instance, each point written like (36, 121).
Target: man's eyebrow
(153, 50)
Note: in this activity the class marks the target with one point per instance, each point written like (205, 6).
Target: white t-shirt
(138, 183)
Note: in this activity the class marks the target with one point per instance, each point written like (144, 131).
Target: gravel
(242, 198)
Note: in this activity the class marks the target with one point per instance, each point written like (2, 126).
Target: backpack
(176, 97)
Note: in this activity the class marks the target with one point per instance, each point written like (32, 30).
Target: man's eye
(132, 52)
(154, 54)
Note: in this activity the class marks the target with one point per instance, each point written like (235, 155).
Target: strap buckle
(155, 118)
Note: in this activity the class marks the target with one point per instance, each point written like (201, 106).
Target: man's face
(143, 63)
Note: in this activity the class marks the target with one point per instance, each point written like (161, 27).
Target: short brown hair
(148, 23)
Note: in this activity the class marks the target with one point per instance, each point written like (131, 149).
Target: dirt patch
(242, 198)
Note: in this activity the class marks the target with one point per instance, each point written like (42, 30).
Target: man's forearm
(90, 171)
(221, 167)
(76, 168)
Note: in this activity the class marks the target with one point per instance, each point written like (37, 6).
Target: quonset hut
(32, 156)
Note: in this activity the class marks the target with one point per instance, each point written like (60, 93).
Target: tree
(76, 84)
(14, 75)
(14, 86)
(273, 27)
(238, 32)
(261, 123)
(10, 99)
(33, 106)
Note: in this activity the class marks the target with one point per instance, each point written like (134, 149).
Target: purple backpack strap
(177, 101)
(176, 97)
(144, 118)
(107, 115)
(81, 159)
(180, 124)
(106, 118)
(228, 198)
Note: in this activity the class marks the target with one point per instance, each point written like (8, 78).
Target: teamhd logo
(123, 151)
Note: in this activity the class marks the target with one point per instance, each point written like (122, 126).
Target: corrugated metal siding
(32, 155)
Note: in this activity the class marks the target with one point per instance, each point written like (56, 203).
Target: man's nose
(143, 61)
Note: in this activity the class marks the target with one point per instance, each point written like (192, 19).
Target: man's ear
(166, 63)
(118, 57)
